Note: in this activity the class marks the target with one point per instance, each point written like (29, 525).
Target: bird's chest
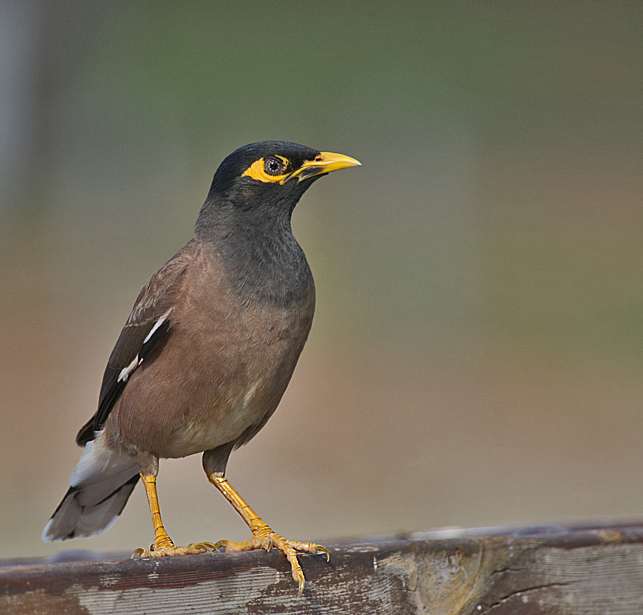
(245, 369)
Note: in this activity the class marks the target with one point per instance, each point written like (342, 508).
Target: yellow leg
(162, 539)
(263, 536)
(163, 545)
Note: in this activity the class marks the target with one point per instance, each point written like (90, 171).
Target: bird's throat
(261, 257)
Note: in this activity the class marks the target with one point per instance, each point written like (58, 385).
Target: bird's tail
(101, 484)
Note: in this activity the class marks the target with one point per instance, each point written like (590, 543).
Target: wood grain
(553, 570)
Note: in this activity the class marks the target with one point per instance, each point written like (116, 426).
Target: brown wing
(142, 338)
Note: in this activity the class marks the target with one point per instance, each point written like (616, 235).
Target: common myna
(206, 352)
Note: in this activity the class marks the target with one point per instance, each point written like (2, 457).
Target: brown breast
(221, 373)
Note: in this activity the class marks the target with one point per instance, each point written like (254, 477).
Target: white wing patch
(126, 372)
(157, 324)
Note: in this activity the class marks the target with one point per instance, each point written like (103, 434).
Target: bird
(205, 354)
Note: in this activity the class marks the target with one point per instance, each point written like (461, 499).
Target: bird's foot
(166, 548)
(265, 538)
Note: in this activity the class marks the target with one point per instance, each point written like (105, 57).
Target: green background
(477, 352)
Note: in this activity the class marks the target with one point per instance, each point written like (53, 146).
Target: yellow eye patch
(270, 170)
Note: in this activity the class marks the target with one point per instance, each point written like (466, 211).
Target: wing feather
(146, 330)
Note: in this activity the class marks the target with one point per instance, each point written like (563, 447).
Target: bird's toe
(272, 540)
(155, 552)
(202, 547)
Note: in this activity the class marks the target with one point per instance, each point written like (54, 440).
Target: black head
(246, 217)
(272, 173)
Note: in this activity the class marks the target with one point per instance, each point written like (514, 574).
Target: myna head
(272, 174)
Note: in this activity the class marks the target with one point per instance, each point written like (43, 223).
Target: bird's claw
(268, 540)
(156, 551)
(203, 547)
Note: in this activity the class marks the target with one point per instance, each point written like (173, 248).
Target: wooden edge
(546, 570)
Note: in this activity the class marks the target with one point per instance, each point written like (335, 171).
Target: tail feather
(100, 487)
(73, 519)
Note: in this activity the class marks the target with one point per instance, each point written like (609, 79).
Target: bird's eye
(274, 166)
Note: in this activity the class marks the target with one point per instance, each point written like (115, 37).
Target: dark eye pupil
(273, 166)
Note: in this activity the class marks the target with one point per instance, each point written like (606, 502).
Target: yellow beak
(324, 162)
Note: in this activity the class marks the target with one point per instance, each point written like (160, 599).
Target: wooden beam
(553, 570)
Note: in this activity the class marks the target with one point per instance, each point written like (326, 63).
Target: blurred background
(477, 352)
